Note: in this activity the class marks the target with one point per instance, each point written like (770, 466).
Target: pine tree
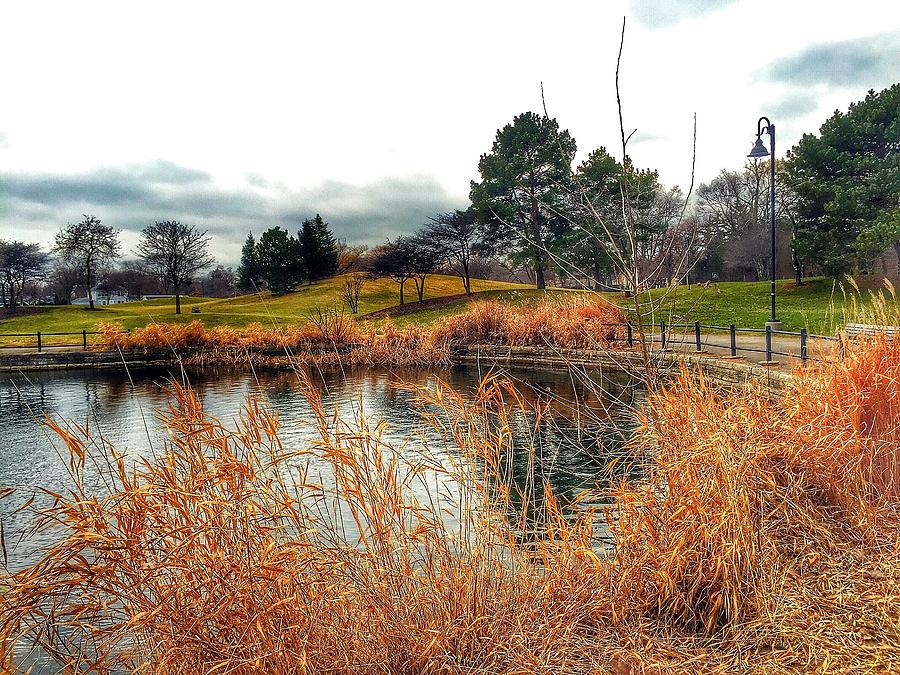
(280, 261)
(318, 248)
(248, 273)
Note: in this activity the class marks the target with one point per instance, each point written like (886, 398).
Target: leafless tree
(353, 285)
(89, 245)
(177, 252)
(455, 235)
(20, 264)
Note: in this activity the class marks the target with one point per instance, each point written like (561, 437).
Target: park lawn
(522, 295)
(237, 312)
(821, 305)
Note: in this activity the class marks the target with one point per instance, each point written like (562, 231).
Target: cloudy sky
(240, 116)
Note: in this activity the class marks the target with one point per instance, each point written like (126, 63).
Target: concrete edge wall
(715, 369)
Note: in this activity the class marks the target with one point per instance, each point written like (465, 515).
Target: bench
(857, 330)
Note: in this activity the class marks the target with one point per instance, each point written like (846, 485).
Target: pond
(574, 444)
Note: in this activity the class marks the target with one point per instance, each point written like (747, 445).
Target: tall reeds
(763, 538)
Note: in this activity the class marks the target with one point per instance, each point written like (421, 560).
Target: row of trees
(281, 262)
(169, 252)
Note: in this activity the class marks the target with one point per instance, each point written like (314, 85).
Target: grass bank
(240, 311)
(821, 306)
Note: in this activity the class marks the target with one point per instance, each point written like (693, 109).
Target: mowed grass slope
(820, 305)
(242, 310)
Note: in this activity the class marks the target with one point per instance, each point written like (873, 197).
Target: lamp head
(759, 150)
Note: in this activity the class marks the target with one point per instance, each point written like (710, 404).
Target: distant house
(102, 298)
(157, 296)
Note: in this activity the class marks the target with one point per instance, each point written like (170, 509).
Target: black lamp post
(759, 151)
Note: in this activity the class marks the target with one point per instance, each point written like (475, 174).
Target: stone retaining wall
(716, 369)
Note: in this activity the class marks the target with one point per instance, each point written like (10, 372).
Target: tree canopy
(520, 199)
(88, 244)
(249, 274)
(847, 182)
(176, 252)
(280, 261)
(318, 248)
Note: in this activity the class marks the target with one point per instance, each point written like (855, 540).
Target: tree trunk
(798, 267)
(467, 281)
(420, 288)
(401, 290)
(177, 302)
(90, 295)
(597, 280)
(539, 277)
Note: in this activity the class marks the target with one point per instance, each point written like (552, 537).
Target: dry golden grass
(763, 539)
(334, 337)
(582, 323)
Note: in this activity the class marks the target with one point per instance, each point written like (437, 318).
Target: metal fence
(661, 333)
(44, 341)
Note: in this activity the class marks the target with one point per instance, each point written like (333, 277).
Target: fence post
(84, 339)
(630, 334)
(769, 344)
(732, 332)
(662, 329)
(804, 353)
(39, 340)
(697, 336)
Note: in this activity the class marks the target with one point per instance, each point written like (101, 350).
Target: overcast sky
(240, 116)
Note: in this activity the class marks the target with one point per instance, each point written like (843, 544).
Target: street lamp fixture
(758, 152)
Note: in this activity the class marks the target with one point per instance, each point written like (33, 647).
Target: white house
(102, 298)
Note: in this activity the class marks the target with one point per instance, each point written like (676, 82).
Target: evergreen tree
(525, 180)
(847, 182)
(280, 261)
(248, 272)
(319, 249)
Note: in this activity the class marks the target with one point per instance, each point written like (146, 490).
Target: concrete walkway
(752, 347)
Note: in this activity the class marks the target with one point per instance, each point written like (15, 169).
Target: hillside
(240, 310)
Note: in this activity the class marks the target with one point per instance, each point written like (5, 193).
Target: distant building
(102, 298)
(157, 296)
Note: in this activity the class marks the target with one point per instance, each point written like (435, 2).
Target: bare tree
(350, 258)
(63, 279)
(455, 235)
(353, 285)
(89, 245)
(177, 252)
(20, 264)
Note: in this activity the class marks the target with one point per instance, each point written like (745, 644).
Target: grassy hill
(241, 310)
(819, 305)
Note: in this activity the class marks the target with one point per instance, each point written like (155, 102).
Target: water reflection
(574, 445)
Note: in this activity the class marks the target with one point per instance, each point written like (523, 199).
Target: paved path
(752, 347)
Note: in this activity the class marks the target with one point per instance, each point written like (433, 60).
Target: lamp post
(759, 151)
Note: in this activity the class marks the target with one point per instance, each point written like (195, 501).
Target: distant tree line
(281, 262)
(536, 215)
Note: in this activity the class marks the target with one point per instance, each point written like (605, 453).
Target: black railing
(663, 333)
(40, 340)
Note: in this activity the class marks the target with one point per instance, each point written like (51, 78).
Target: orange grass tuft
(589, 323)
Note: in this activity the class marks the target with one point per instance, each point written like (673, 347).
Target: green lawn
(818, 305)
(238, 311)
